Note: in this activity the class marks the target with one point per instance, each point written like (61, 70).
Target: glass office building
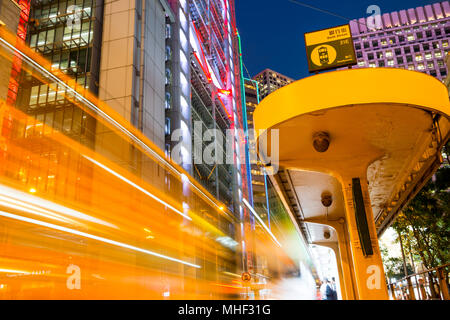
(412, 39)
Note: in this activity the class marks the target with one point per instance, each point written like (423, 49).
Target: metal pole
(405, 270)
(414, 269)
(443, 284)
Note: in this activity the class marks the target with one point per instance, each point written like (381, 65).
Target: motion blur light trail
(90, 208)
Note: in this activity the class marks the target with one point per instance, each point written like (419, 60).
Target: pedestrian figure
(326, 290)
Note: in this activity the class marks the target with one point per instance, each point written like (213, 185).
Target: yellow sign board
(330, 48)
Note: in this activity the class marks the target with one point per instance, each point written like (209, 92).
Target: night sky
(272, 30)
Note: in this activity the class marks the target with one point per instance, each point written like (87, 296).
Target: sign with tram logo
(330, 48)
(246, 276)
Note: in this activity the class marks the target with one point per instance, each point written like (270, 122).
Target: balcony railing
(432, 284)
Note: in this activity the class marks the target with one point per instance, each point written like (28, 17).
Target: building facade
(447, 80)
(9, 19)
(171, 68)
(256, 89)
(412, 39)
(257, 172)
(270, 81)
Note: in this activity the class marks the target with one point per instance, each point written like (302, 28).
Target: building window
(168, 53)
(428, 55)
(167, 150)
(381, 63)
(438, 54)
(409, 58)
(383, 42)
(399, 60)
(410, 67)
(411, 37)
(407, 50)
(370, 56)
(168, 101)
(362, 63)
(167, 127)
(419, 57)
(168, 76)
(390, 63)
(430, 65)
(389, 54)
(168, 31)
(420, 66)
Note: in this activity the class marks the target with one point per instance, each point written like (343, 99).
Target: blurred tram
(114, 219)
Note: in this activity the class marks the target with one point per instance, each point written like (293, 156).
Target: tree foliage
(424, 224)
(393, 266)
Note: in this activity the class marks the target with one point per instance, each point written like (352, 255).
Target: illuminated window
(419, 57)
(388, 54)
(167, 126)
(390, 63)
(168, 101)
(411, 37)
(428, 55)
(420, 66)
(438, 54)
(411, 67)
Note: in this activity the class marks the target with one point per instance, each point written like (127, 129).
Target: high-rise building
(257, 172)
(170, 67)
(9, 14)
(205, 65)
(9, 19)
(412, 39)
(270, 81)
(447, 80)
(263, 84)
(257, 89)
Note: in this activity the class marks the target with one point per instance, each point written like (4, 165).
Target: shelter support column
(343, 256)
(367, 262)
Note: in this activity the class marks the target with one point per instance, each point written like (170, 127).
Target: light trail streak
(261, 221)
(26, 202)
(136, 186)
(105, 115)
(94, 237)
